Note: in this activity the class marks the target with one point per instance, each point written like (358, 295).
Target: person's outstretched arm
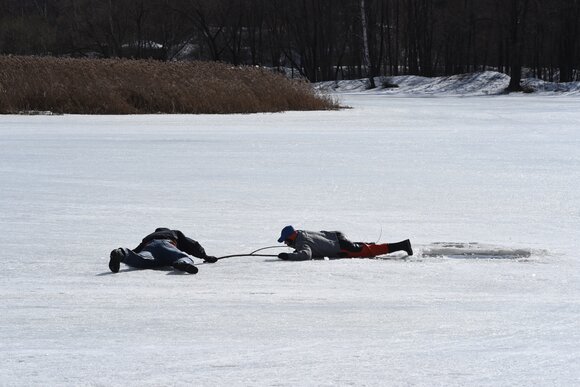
(192, 247)
(304, 254)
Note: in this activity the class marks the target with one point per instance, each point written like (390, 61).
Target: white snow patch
(472, 84)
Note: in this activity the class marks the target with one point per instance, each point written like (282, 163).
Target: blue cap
(286, 233)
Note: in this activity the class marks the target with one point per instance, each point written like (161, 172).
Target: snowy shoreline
(472, 84)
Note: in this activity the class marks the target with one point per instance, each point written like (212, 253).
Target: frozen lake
(494, 170)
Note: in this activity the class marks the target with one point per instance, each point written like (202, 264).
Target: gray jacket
(312, 244)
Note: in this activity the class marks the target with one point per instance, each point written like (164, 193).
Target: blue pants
(158, 253)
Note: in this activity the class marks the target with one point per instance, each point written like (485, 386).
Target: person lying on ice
(332, 244)
(164, 247)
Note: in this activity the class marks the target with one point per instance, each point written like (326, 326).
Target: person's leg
(157, 253)
(185, 264)
(347, 245)
(366, 250)
(350, 249)
(142, 260)
(169, 255)
(401, 246)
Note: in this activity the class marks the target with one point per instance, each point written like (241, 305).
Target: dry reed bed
(121, 86)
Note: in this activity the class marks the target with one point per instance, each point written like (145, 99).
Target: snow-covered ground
(501, 171)
(472, 84)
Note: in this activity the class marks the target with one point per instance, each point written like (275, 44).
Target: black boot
(403, 245)
(184, 266)
(117, 257)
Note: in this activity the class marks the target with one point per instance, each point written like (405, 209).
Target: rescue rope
(253, 253)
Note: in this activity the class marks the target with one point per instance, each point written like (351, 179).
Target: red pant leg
(368, 250)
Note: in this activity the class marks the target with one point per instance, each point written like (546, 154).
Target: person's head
(288, 235)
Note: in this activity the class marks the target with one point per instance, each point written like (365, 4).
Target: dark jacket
(183, 243)
(313, 245)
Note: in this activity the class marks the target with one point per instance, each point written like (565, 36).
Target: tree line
(317, 39)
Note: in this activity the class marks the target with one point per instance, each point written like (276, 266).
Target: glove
(284, 256)
(210, 259)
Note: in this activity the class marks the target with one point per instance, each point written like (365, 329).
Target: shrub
(122, 86)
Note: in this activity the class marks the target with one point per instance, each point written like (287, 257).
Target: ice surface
(502, 171)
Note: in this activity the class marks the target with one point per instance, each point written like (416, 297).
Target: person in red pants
(333, 244)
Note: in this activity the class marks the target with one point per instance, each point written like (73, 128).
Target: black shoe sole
(186, 268)
(409, 249)
(115, 262)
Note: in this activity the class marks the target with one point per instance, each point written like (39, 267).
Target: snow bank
(473, 84)
(539, 86)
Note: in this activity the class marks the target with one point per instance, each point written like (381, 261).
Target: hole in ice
(473, 250)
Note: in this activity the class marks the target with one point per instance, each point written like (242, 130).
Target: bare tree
(365, 39)
(320, 39)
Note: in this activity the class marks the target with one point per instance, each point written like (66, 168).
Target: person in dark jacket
(164, 247)
(333, 244)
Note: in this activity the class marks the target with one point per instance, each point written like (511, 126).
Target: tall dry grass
(121, 86)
